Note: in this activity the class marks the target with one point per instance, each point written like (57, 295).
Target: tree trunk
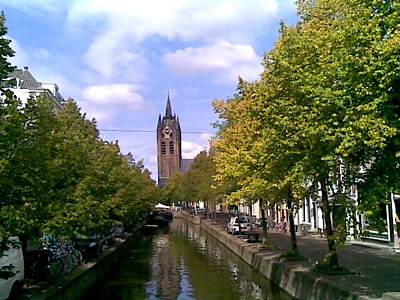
(331, 259)
(293, 238)
(265, 240)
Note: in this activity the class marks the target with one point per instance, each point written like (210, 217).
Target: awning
(162, 206)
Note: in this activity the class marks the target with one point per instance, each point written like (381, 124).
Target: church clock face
(167, 132)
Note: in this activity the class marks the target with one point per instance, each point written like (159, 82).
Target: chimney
(25, 68)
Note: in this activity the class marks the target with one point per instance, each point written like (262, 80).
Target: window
(163, 149)
(171, 147)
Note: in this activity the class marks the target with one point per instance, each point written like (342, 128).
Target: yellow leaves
(324, 95)
(219, 105)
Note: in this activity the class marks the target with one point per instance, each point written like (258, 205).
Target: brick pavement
(376, 267)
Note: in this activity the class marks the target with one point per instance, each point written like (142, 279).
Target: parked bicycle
(54, 258)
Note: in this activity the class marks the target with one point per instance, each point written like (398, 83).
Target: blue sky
(119, 59)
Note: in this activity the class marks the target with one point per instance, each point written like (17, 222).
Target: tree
(239, 145)
(11, 135)
(200, 178)
(62, 179)
(177, 189)
(323, 109)
(330, 68)
(56, 175)
(5, 51)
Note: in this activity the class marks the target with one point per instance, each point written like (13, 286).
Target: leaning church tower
(169, 149)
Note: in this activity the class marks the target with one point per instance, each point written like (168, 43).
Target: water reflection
(185, 264)
(224, 275)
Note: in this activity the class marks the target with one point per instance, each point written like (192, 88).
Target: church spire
(168, 111)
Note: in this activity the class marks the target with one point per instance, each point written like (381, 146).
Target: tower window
(163, 148)
(171, 147)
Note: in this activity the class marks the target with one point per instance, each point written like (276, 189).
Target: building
(25, 86)
(383, 228)
(169, 146)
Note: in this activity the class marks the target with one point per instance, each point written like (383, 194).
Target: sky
(119, 60)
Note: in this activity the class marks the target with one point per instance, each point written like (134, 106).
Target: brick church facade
(169, 146)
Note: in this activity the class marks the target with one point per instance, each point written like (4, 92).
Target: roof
(27, 80)
(185, 164)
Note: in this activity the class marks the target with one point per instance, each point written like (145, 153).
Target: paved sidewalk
(376, 267)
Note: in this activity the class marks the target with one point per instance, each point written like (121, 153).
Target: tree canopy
(324, 114)
(56, 174)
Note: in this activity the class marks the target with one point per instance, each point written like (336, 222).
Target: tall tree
(11, 136)
(6, 51)
(331, 66)
(201, 178)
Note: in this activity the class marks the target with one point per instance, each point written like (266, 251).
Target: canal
(184, 263)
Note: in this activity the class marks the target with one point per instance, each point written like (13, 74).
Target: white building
(27, 86)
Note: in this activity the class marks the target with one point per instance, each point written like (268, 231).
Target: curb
(294, 277)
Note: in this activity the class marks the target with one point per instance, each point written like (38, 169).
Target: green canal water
(184, 263)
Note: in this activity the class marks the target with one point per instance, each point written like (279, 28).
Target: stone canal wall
(293, 277)
(78, 282)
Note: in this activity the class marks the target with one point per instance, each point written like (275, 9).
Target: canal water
(184, 263)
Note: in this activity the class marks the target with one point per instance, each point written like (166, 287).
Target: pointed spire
(168, 111)
(159, 124)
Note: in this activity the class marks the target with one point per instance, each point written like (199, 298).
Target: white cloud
(113, 59)
(35, 6)
(142, 146)
(114, 96)
(191, 149)
(21, 57)
(119, 30)
(35, 59)
(125, 44)
(104, 101)
(101, 114)
(207, 19)
(206, 137)
(223, 61)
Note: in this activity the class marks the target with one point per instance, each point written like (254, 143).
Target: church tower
(169, 150)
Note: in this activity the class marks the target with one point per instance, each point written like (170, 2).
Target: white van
(10, 287)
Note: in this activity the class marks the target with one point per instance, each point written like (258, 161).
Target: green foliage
(5, 50)
(324, 114)
(197, 184)
(177, 189)
(59, 177)
(56, 174)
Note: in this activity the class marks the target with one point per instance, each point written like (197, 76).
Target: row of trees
(56, 174)
(197, 184)
(323, 116)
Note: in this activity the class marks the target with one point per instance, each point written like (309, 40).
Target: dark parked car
(119, 231)
(109, 237)
(90, 245)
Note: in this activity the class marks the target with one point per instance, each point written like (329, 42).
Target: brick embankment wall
(296, 278)
(191, 218)
(78, 282)
(79, 285)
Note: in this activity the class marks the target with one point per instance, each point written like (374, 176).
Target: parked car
(238, 224)
(109, 237)
(119, 231)
(10, 287)
(90, 245)
(257, 223)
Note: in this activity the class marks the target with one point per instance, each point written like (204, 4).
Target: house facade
(310, 212)
(25, 86)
